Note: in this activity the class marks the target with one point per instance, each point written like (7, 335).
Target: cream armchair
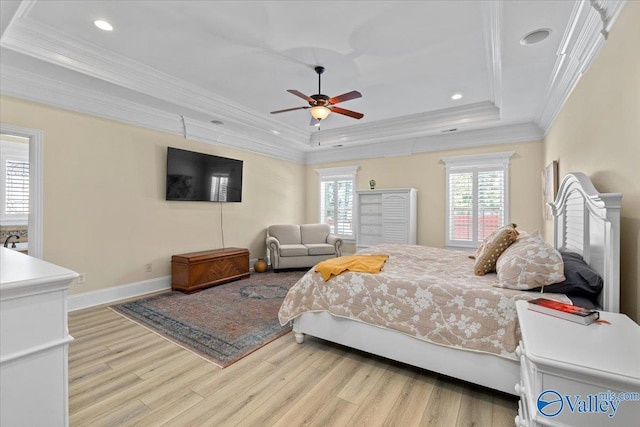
(298, 246)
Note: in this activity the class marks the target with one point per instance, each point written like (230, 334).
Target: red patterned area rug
(223, 323)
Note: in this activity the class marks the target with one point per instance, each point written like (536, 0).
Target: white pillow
(529, 263)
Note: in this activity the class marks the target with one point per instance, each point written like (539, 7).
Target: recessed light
(535, 36)
(456, 96)
(103, 25)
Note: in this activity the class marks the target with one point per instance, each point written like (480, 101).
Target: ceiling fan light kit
(320, 112)
(321, 105)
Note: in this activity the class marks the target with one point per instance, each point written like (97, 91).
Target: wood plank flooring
(122, 374)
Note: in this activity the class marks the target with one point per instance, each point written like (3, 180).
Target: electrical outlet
(148, 268)
(81, 278)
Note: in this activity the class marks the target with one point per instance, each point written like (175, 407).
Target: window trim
(343, 172)
(475, 163)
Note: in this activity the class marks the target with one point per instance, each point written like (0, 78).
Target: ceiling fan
(321, 105)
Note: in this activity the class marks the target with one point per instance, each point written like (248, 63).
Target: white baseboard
(105, 296)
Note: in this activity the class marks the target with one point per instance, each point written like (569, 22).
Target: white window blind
(477, 197)
(337, 195)
(17, 188)
(336, 208)
(461, 206)
(14, 182)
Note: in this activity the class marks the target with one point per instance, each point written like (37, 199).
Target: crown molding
(43, 42)
(521, 132)
(197, 130)
(248, 130)
(34, 87)
(411, 126)
(580, 44)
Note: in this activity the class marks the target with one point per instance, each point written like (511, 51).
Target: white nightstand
(576, 369)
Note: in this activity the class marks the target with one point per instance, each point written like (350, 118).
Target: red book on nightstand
(570, 312)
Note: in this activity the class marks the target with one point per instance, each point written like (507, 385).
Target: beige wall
(426, 173)
(104, 208)
(598, 132)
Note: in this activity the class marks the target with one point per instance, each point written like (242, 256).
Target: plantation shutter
(461, 206)
(490, 202)
(17, 188)
(477, 197)
(336, 206)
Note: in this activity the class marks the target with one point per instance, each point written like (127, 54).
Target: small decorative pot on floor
(260, 266)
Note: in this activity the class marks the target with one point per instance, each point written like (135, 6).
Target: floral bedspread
(429, 293)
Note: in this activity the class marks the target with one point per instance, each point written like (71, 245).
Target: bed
(464, 326)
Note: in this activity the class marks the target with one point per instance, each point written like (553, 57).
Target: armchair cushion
(321, 249)
(293, 250)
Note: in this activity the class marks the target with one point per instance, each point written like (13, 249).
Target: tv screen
(202, 177)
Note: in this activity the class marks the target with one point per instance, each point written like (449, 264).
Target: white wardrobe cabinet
(386, 216)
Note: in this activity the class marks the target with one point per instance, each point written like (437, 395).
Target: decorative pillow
(528, 263)
(488, 253)
(581, 280)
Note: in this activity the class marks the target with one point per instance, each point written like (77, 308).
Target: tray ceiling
(178, 65)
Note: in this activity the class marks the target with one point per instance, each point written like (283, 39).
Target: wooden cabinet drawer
(370, 219)
(371, 198)
(371, 209)
(370, 240)
(371, 229)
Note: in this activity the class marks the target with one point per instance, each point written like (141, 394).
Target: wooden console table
(199, 270)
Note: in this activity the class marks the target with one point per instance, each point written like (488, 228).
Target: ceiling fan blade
(301, 95)
(290, 109)
(349, 113)
(345, 97)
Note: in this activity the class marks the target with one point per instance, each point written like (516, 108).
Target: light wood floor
(122, 374)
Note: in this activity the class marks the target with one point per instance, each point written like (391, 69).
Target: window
(337, 195)
(477, 197)
(17, 188)
(14, 183)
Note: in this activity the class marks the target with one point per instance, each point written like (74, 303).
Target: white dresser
(34, 341)
(386, 216)
(570, 373)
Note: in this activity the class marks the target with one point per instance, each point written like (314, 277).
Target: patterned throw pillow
(492, 247)
(528, 263)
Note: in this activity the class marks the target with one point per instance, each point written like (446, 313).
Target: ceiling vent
(535, 36)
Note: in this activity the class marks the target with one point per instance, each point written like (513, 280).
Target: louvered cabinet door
(395, 218)
(386, 216)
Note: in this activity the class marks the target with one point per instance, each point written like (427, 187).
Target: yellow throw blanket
(359, 263)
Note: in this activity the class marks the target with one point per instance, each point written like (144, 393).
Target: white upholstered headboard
(588, 223)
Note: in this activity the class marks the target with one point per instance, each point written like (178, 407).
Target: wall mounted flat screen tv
(202, 177)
